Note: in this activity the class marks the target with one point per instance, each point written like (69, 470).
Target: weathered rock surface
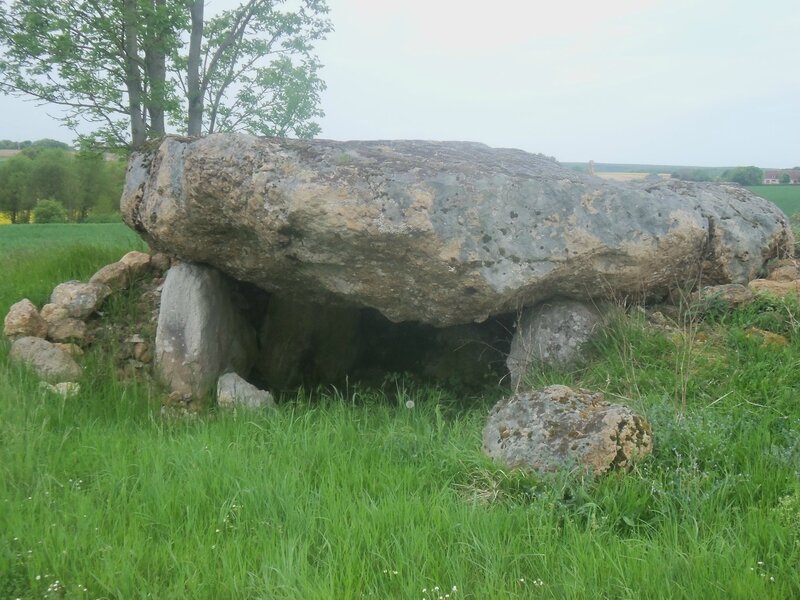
(80, 299)
(138, 263)
(731, 295)
(116, 276)
(201, 331)
(440, 233)
(778, 288)
(558, 427)
(234, 392)
(49, 362)
(551, 333)
(24, 320)
(67, 331)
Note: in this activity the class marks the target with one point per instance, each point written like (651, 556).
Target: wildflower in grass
(410, 404)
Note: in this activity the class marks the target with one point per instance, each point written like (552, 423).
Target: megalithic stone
(438, 232)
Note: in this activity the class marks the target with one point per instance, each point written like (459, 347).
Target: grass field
(349, 494)
(786, 197)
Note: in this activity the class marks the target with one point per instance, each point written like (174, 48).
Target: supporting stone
(202, 332)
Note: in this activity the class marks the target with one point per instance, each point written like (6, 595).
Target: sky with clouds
(689, 82)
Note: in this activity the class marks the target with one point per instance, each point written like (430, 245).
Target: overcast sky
(689, 82)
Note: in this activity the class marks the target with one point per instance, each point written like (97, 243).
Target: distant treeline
(743, 175)
(44, 143)
(79, 183)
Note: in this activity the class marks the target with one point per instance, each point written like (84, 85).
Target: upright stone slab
(201, 330)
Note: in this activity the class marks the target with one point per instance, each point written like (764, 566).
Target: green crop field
(349, 493)
(786, 197)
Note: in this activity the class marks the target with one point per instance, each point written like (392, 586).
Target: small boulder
(731, 295)
(54, 312)
(557, 427)
(786, 269)
(138, 263)
(80, 299)
(779, 288)
(234, 392)
(67, 331)
(24, 320)
(49, 362)
(117, 276)
(551, 333)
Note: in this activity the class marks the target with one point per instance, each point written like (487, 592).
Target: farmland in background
(786, 197)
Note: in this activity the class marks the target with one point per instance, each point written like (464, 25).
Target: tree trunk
(194, 93)
(155, 60)
(133, 77)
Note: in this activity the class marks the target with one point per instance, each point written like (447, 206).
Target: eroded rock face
(49, 362)
(201, 332)
(439, 233)
(558, 427)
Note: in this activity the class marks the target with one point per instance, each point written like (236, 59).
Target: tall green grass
(348, 493)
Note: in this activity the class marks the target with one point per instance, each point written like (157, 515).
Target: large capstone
(434, 232)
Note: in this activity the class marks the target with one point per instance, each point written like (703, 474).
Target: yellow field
(629, 176)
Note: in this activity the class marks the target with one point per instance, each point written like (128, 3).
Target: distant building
(774, 176)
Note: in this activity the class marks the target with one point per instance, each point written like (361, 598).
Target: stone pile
(51, 341)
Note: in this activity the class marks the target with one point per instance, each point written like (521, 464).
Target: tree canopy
(744, 175)
(134, 67)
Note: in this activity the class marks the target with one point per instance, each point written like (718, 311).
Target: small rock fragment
(65, 389)
(234, 392)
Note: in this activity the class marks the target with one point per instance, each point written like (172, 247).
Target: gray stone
(80, 299)
(24, 320)
(201, 331)
(434, 232)
(234, 392)
(552, 333)
(48, 361)
(557, 428)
